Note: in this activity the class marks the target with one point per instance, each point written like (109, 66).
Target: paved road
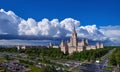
(94, 67)
(97, 67)
(104, 63)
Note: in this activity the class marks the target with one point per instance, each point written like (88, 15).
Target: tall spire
(73, 31)
(74, 40)
(74, 27)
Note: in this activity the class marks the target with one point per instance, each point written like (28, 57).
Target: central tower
(73, 40)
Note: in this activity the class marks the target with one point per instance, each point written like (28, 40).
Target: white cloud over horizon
(12, 24)
(111, 32)
(8, 22)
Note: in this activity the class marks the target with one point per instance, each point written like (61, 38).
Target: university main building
(75, 46)
(69, 47)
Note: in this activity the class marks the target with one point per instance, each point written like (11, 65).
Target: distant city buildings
(27, 47)
(75, 46)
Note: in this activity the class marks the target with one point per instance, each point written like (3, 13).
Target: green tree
(48, 69)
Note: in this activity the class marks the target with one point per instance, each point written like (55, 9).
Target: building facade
(75, 46)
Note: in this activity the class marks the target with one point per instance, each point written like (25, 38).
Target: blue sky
(98, 20)
(99, 12)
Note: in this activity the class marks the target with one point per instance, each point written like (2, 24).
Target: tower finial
(74, 27)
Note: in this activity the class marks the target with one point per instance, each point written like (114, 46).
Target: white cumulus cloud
(69, 23)
(28, 27)
(13, 24)
(8, 22)
(42, 28)
(91, 32)
(112, 32)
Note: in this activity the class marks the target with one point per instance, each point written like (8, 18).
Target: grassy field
(2, 60)
(109, 69)
(34, 68)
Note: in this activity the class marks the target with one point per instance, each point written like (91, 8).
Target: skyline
(95, 20)
(60, 35)
(11, 24)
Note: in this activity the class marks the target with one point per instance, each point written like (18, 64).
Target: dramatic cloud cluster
(47, 28)
(8, 22)
(91, 32)
(112, 32)
(12, 24)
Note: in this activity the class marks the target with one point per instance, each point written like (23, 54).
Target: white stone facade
(75, 46)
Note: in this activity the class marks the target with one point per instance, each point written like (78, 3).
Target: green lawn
(2, 60)
(109, 69)
(34, 68)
